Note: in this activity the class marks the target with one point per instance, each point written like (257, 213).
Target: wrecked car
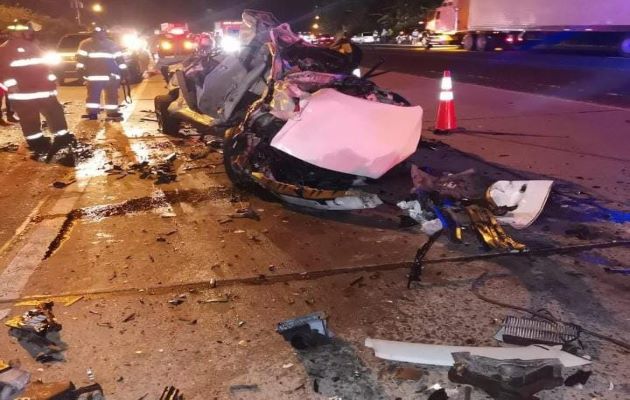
(296, 122)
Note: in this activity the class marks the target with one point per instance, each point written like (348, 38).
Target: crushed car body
(297, 123)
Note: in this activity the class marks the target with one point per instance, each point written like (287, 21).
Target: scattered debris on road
(13, 380)
(506, 379)
(171, 393)
(9, 148)
(305, 332)
(62, 185)
(526, 331)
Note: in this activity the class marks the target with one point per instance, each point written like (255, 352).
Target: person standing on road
(32, 90)
(415, 36)
(101, 62)
(4, 93)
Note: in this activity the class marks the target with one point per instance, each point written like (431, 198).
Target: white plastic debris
(442, 355)
(414, 210)
(530, 198)
(351, 135)
(359, 202)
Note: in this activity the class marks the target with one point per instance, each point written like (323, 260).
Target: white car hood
(351, 135)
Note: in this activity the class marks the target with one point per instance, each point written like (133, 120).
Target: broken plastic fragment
(442, 355)
(529, 197)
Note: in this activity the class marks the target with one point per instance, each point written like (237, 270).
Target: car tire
(167, 124)
(469, 42)
(482, 42)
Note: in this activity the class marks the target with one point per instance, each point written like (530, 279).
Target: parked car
(137, 56)
(323, 39)
(364, 38)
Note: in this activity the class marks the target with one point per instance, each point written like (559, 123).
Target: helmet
(23, 24)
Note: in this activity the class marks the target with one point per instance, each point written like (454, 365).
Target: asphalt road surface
(591, 77)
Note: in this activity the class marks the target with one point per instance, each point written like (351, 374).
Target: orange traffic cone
(446, 121)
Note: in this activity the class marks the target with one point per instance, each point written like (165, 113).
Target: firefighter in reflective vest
(32, 90)
(101, 62)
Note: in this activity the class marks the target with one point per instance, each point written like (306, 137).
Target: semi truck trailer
(483, 25)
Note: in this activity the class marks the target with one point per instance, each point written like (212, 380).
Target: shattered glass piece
(529, 197)
(351, 135)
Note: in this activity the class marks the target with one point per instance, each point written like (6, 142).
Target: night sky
(200, 13)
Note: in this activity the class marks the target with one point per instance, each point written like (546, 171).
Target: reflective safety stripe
(446, 96)
(118, 54)
(92, 105)
(62, 132)
(32, 96)
(27, 62)
(10, 82)
(52, 77)
(21, 50)
(447, 83)
(97, 78)
(80, 65)
(111, 107)
(18, 28)
(122, 66)
(116, 76)
(101, 55)
(34, 136)
(82, 53)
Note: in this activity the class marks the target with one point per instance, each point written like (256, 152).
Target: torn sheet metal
(506, 379)
(351, 135)
(529, 197)
(489, 231)
(442, 355)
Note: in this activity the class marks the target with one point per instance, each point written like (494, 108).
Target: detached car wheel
(166, 122)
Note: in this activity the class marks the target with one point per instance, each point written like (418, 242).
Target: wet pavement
(127, 245)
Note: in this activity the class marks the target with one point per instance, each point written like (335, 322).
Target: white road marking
(16, 275)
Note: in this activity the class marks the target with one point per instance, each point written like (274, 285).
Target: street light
(97, 8)
(315, 25)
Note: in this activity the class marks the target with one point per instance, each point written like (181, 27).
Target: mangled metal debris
(526, 331)
(506, 379)
(13, 381)
(37, 330)
(297, 123)
(40, 320)
(305, 332)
